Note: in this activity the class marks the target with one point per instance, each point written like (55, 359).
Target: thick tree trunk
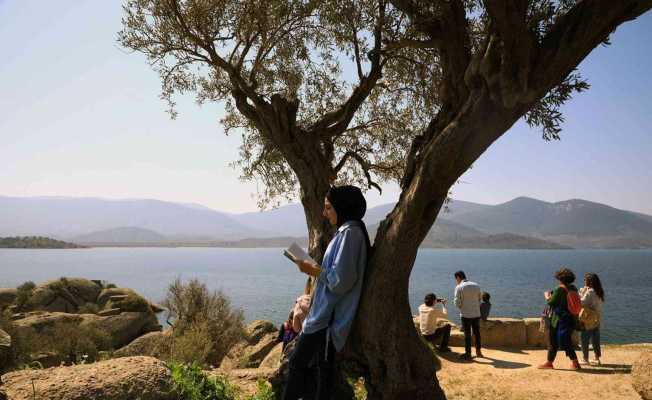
(396, 364)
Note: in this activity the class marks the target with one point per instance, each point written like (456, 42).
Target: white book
(296, 253)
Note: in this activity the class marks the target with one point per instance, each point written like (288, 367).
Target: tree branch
(336, 122)
(364, 164)
(575, 34)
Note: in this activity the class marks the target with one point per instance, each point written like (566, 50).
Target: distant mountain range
(519, 223)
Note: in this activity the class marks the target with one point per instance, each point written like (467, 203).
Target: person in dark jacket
(485, 306)
(562, 322)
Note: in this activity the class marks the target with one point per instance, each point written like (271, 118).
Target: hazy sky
(79, 116)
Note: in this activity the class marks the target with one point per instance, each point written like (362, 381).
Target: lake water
(264, 284)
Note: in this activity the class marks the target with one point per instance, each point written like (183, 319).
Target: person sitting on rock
(432, 311)
(485, 306)
(286, 332)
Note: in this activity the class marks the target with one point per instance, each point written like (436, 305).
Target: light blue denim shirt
(338, 288)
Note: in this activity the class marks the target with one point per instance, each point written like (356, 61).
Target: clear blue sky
(79, 116)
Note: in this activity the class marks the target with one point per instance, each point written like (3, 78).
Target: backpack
(589, 319)
(573, 301)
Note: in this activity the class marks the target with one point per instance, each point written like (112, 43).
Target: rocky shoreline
(131, 360)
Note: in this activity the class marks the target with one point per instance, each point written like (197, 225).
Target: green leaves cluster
(362, 78)
(190, 383)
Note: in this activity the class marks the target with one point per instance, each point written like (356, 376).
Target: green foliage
(263, 391)
(24, 293)
(71, 342)
(35, 242)
(204, 317)
(190, 383)
(195, 344)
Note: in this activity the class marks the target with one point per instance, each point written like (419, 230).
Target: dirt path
(512, 375)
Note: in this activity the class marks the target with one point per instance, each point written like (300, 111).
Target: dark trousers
(560, 338)
(468, 325)
(311, 349)
(443, 332)
(594, 336)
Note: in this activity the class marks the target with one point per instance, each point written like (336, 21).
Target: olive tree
(370, 91)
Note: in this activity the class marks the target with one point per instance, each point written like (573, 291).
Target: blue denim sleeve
(343, 274)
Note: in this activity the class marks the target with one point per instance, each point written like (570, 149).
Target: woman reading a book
(336, 294)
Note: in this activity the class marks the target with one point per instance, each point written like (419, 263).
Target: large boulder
(259, 328)
(106, 294)
(143, 378)
(273, 359)
(63, 295)
(535, 338)
(642, 375)
(503, 332)
(125, 327)
(122, 328)
(153, 344)
(7, 296)
(261, 338)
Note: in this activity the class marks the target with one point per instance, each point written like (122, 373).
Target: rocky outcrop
(5, 348)
(261, 339)
(122, 328)
(7, 296)
(642, 375)
(143, 378)
(259, 328)
(273, 359)
(153, 344)
(63, 295)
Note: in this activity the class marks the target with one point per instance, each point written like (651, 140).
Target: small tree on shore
(437, 83)
(204, 326)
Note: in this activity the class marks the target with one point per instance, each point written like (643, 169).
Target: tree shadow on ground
(501, 364)
(508, 350)
(494, 362)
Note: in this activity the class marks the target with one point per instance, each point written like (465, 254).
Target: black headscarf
(350, 205)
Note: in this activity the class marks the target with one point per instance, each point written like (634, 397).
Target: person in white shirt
(592, 296)
(432, 311)
(467, 299)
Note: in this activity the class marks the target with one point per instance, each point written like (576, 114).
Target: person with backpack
(592, 297)
(565, 304)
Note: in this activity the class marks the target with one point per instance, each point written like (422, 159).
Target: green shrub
(190, 383)
(263, 391)
(194, 344)
(73, 343)
(191, 305)
(77, 343)
(24, 293)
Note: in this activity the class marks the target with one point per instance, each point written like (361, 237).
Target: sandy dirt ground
(512, 375)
